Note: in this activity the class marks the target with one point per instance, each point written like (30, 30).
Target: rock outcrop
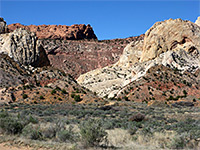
(170, 35)
(74, 32)
(23, 47)
(172, 43)
(198, 21)
(3, 26)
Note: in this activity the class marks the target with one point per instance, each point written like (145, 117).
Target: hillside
(163, 46)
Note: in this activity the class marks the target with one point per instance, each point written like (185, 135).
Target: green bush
(58, 89)
(67, 135)
(25, 96)
(125, 98)
(77, 98)
(185, 93)
(41, 97)
(72, 95)
(31, 133)
(53, 91)
(49, 132)
(92, 133)
(64, 91)
(4, 114)
(11, 125)
(32, 119)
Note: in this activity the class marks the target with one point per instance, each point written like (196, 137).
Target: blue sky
(109, 19)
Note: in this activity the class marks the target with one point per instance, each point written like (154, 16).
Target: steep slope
(177, 50)
(39, 85)
(78, 57)
(164, 84)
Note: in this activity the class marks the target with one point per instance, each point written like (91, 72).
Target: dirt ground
(7, 146)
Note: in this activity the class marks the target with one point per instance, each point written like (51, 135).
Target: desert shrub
(31, 132)
(64, 91)
(4, 114)
(49, 132)
(125, 98)
(137, 117)
(41, 97)
(92, 133)
(77, 98)
(11, 125)
(67, 135)
(25, 96)
(77, 91)
(57, 88)
(185, 93)
(53, 91)
(119, 99)
(178, 142)
(32, 119)
(72, 95)
(132, 130)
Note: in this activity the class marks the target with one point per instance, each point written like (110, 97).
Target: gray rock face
(3, 26)
(23, 47)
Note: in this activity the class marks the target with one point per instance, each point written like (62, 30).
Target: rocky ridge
(176, 50)
(73, 32)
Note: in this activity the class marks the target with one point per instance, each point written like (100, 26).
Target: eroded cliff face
(74, 32)
(170, 35)
(80, 56)
(171, 43)
(23, 47)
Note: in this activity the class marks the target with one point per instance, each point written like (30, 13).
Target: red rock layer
(74, 32)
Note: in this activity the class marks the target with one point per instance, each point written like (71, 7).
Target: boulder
(24, 48)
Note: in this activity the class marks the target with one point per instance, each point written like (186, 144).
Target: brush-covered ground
(100, 125)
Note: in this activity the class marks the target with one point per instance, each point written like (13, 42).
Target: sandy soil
(7, 146)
